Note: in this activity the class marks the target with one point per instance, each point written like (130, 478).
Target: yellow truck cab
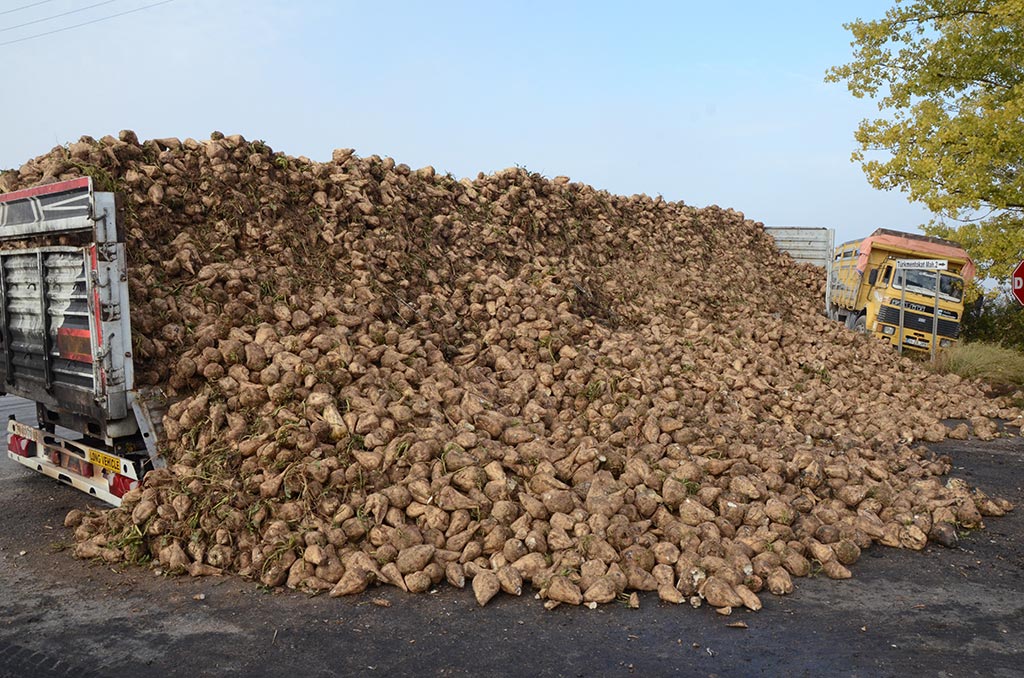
(867, 290)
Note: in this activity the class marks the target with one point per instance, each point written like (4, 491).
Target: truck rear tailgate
(65, 335)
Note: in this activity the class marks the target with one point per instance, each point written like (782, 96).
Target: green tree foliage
(997, 319)
(949, 79)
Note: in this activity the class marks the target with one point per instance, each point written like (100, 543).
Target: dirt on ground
(938, 612)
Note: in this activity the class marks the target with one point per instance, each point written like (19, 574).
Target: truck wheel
(861, 324)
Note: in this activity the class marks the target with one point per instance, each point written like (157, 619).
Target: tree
(996, 319)
(949, 79)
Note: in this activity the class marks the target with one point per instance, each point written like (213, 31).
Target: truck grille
(918, 321)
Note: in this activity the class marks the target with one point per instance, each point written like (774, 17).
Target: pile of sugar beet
(388, 376)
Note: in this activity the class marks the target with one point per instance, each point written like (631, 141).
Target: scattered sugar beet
(387, 376)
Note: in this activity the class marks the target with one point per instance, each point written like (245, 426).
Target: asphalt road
(939, 612)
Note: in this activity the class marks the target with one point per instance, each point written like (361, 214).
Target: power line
(56, 16)
(85, 23)
(18, 9)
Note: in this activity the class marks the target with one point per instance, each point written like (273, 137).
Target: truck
(66, 341)
(886, 283)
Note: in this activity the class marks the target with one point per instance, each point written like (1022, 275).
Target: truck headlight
(888, 329)
(945, 343)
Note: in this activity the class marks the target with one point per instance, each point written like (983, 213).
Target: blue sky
(688, 100)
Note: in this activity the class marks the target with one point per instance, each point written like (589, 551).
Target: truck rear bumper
(92, 470)
(95, 486)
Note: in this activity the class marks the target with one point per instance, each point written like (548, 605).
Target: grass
(995, 364)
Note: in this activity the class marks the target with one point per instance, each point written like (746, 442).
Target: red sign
(1017, 282)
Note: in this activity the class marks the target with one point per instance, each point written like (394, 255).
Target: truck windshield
(951, 287)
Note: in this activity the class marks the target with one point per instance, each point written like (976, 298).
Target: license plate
(107, 461)
(917, 342)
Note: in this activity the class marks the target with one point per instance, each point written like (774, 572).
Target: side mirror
(873, 276)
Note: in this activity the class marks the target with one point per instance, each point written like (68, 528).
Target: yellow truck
(886, 285)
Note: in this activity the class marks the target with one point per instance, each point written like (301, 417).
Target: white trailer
(808, 245)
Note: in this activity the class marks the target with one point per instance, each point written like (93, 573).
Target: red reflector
(76, 465)
(119, 484)
(73, 344)
(23, 447)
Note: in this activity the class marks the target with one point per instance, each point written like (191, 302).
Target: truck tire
(861, 324)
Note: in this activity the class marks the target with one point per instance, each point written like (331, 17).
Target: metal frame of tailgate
(73, 207)
(63, 207)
